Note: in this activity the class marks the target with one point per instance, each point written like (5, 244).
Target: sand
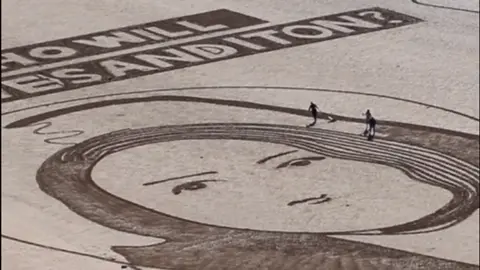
(73, 202)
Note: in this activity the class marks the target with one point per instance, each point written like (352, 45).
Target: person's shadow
(331, 120)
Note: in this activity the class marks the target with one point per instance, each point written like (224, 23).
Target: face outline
(133, 219)
(276, 134)
(294, 190)
(231, 103)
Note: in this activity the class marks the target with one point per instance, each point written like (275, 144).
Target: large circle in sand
(298, 191)
(75, 165)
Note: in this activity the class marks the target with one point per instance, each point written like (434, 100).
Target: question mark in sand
(377, 16)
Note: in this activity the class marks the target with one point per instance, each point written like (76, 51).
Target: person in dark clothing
(371, 123)
(371, 131)
(314, 110)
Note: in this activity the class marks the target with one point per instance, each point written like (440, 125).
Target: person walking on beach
(370, 125)
(314, 110)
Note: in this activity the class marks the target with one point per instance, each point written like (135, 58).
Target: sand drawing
(157, 137)
(67, 176)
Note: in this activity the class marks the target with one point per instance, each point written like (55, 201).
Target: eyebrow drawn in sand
(261, 161)
(177, 178)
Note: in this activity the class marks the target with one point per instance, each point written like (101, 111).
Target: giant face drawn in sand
(360, 185)
(67, 176)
